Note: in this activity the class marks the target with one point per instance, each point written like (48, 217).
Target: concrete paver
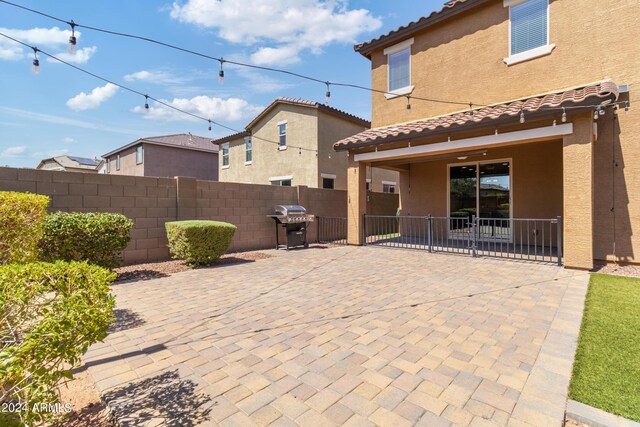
(347, 336)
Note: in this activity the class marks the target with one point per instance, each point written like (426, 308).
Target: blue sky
(62, 111)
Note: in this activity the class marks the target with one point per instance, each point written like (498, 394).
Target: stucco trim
(398, 47)
(466, 143)
(530, 54)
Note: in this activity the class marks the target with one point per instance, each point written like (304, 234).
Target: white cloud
(82, 101)
(218, 109)
(284, 29)
(13, 151)
(45, 38)
(68, 140)
(78, 56)
(51, 153)
(157, 77)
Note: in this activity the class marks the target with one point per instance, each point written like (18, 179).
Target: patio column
(577, 156)
(356, 199)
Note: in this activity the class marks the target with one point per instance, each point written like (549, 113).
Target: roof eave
(365, 49)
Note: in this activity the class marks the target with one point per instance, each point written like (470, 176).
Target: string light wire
(137, 92)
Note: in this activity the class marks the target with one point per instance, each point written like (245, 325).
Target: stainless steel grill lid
(286, 210)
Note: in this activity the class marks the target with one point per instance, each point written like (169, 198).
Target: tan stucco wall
(268, 161)
(169, 162)
(128, 164)
(462, 60)
(536, 181)
(308, 128)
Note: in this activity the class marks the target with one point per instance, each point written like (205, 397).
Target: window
(248, 151)
(117, 162)
(139, 155)
(328, 180)
(388, 187)
(529, 30)
(368, 185)
(282, 130)
(108, 165)
(225, 155)
(399, 69)
(283, 181)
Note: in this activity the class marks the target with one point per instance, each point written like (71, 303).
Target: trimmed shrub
(98, 238)
(199, 242)
(21, 218)
(49, 316)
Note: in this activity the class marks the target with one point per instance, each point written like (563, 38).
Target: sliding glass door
(482, 189)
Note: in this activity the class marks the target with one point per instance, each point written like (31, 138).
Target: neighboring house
(166, 156)
(290, 143)
(521, 62)
(71, 164)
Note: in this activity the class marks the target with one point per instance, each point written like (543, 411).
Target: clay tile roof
(449, 9)
(588, 95)
(311, 104)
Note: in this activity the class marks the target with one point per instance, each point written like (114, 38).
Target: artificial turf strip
(606, 372)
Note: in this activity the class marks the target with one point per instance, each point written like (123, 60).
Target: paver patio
(345, 336)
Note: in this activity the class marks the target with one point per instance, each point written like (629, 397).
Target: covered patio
(514, 178)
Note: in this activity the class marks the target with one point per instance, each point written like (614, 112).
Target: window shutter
(528, 25)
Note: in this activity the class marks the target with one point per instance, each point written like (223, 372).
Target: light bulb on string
(626, 107)
(221, 72)
(522, 119)
(209, 125)
(299, 151)
(408, 102)
(328, 94)
(36, 61)
(72, 39)
(564, 115)
(146, 103)
(595, 115)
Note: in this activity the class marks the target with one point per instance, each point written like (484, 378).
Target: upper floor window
(529, 30)
(399, 68)
(282, 131)
(139, 155)
(248, 150)
(108, 165)
(388, 187)
(225, 154)
(328, 181)
(117, 162)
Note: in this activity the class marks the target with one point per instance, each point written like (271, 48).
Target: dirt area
(157, 270)
(618, 270)
(88, 410)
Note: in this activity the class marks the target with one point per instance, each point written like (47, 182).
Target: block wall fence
(151, 202)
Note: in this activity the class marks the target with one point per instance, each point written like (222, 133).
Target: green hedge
(21, 219)
(98, 238)
(199, 242)
(49, 316)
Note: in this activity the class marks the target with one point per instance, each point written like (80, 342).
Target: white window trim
(282, 122)
(390, 94)
(328, 175)
(248, 163)
(531, 53)
(389, 183)
(223, 166)
(369, 180)
(280, 178)
(282, 147)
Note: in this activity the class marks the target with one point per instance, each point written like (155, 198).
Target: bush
(94, 237)
(199, 242)
(21, 219)
(49, 316)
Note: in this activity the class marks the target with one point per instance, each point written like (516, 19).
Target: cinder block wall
(151, 202)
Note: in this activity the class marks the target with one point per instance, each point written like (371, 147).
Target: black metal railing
(332, 230)
(521, 238)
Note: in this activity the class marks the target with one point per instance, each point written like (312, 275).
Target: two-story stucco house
(532, 97)
(168, 156)
(290, 143)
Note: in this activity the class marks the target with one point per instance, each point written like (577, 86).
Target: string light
(209, 125)
(626, 107)
(471, 108)
(564, 115)
(36, 61)
(408, 102)
(595, 115)
(221, 72)
(146, 103)
(72, 39)
(299, 151)
(328, 94)
(522, 119)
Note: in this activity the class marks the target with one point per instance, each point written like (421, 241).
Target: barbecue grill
(294, 219)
